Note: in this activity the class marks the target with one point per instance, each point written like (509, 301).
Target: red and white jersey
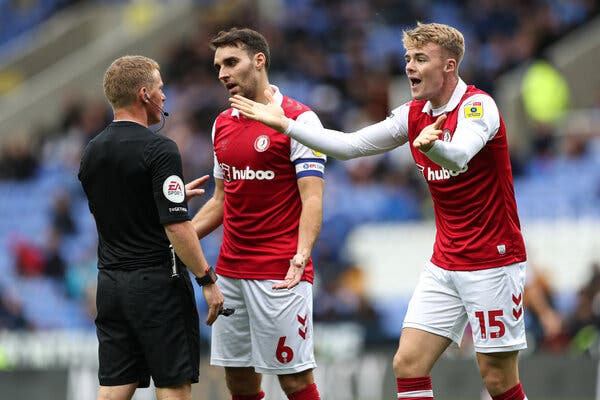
(260, 168)
(473, 196)
(475, 208)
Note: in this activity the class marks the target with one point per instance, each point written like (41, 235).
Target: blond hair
(448, 38)
(125, 76)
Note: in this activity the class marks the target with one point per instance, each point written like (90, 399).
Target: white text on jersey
(441, 174)
(231, 173)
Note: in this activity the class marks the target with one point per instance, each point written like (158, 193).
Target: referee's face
(157, 97)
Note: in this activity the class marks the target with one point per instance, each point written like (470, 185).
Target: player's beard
(248, 91)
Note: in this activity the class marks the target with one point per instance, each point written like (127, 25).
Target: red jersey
(260, 167)
(475, 209)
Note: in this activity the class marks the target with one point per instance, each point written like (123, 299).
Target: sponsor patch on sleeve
(473, 110)
(309, 167)
(173, 189)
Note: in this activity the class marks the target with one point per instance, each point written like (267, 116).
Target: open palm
(270, 114)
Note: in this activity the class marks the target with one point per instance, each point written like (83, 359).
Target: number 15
(492, 322)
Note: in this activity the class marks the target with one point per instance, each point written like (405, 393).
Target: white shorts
(271, 330)
(491, 300)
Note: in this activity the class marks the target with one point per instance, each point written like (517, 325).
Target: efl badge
(262, 143)
(173, 189)
(474, 110)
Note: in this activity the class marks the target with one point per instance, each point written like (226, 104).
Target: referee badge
(173, 189)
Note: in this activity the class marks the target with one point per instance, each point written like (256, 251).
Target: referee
(147, 322)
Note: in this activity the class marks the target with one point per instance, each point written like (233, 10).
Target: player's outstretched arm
(270, 114)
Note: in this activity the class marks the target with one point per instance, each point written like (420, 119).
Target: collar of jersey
(459, 92)
(277, 96)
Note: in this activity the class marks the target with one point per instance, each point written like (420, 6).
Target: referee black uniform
(147, 322)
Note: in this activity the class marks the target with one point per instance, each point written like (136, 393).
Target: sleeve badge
(473, 110)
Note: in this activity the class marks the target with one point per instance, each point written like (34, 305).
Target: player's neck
(260, 90)
(445, 93)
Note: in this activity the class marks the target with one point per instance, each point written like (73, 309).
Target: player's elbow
(458, 162)
(347, 153)
(341, 157)
(457, 166)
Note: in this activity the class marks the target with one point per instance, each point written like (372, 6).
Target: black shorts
(147, 325)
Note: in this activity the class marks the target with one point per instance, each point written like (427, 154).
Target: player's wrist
(302, 257)
(286, 125)
(428, 147)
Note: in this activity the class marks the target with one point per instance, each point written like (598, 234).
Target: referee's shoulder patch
(173, 189)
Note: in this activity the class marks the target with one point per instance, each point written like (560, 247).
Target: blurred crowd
(343, 58)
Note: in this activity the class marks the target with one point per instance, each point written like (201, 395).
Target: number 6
(284, 353)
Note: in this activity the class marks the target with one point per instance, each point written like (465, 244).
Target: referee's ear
(143, 95)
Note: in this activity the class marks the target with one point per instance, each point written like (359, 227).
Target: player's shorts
(271, 330)
(147, 325)
(490, 300)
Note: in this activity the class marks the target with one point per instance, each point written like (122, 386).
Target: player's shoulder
(292, 107)
(226, 116)
(415, 103)
(475, 94)
(475, 97)
(473, 90)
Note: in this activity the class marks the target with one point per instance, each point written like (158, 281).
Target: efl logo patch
(474, 110)
(173, 189)
(262, 143)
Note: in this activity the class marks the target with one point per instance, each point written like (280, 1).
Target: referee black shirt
(133, 181)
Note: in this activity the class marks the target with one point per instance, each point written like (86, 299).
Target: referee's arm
(185, 243)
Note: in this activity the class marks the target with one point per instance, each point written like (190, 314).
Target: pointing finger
(439, 121)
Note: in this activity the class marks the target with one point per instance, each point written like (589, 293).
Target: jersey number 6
(284, 353)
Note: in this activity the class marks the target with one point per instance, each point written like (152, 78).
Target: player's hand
(270, 114)
(214, 299)
(192, 188)
(429, 134)
(294, 274)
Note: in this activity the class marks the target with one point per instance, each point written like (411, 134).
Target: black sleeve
(81, 175)
(164, 161)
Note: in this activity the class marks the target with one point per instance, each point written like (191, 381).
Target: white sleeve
(217, 170)
(297, 149)
(478, 121)
(374, 139)
(307, 162)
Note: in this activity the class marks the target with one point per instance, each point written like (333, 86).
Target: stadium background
(345, 59)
